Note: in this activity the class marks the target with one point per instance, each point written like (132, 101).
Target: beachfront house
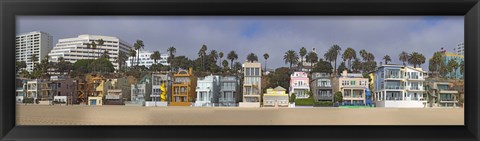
(276, 97)
(208, 91)
(321, 87)
(252, 86)
(183, 88)
(140, 92)
(300, 85)
(117, 88)
(229, 91)
(99, 90)
(442, 94)
(399, 86)
(353, 87)
(159, 90)
(63, 89)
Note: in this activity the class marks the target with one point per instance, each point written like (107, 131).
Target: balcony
(393, 77)
(393, 87)
(226, 99)
(300, 86)
(415, 89)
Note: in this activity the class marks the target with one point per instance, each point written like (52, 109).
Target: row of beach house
(396, 86)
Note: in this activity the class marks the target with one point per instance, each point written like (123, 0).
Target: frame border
(9, 9)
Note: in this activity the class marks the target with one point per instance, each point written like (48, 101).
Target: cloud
(381, 35)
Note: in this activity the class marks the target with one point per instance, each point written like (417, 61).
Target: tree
(202, 53)
(63, 66)
(312, 58)
(434, 62)
(266, 56)
(155, 56)
(342, 67)
(19, 65)
(363, 54)
(132, 53)
(225, 64)
(387, 59)
(416, 59)
(338, 97)
(403, 57)
(220, 55)
(105, 55)
(281, 77)
(292, 98)
(357, 65)
(232, 56)
(443, 70)
(290, 57)
(214, 55)
(323, 67)
(171, 54)
(137, 46)
(34, 59)
(335, 51)
(237, 66)
(452, 67)
(302, 53)
(252, 57)
(349, 54)
(121, 59)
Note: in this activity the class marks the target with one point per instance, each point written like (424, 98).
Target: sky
(380, 35)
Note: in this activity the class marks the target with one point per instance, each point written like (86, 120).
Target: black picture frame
(470, 9)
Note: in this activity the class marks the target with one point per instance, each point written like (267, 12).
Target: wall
(400, 104)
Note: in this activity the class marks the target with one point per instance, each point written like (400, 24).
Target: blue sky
(381, 35)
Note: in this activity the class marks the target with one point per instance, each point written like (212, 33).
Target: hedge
(304, 102)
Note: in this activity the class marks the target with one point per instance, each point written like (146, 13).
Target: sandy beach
(131, 115)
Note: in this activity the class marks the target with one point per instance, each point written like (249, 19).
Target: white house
(208, 90)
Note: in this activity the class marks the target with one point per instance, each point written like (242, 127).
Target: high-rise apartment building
(28, 44)
(73, 49)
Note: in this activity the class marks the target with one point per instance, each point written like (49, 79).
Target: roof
(279, 88)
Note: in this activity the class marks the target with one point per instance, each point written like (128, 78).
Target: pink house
(299, 84)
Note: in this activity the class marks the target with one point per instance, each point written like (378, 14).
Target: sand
(131, 115)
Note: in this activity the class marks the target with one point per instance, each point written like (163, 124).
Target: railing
(393, 76)
(415, 88)
(300, 85)
(226, 99)
(394, 87)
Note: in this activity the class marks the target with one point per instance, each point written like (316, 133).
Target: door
(93, 102)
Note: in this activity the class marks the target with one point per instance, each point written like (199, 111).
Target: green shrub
(293, 97)
(304, 102)
(28, 100)
(338, 96)
(323, 104)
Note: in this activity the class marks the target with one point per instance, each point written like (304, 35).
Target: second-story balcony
(394, 87)
(393, 77)
(415, 89)
(300, 86)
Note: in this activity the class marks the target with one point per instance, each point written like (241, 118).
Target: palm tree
(122, 57)
(138, 45)
(202, 53)
(349, 54)
(220, 55)
(34, 59)
(356, 65)
(171, 54)
(266, 56)
(335, 51)
(303, 52)
(100, 42)
(416, 59)
(155, 56)
(312, 58)
(225, 64)
(132, 53)
(363, 54)
(105, 55)
(232, 56)
(435, 62)
(387, 59)
(403, 57)
(252, 57)
(237, 66)
(290, 57)
(452, 65)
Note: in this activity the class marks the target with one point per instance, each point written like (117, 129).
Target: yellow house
(277, 97)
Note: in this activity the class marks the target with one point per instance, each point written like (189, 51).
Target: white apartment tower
(460, 48)
(73, 49)
(36, 42)
(146, 61)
